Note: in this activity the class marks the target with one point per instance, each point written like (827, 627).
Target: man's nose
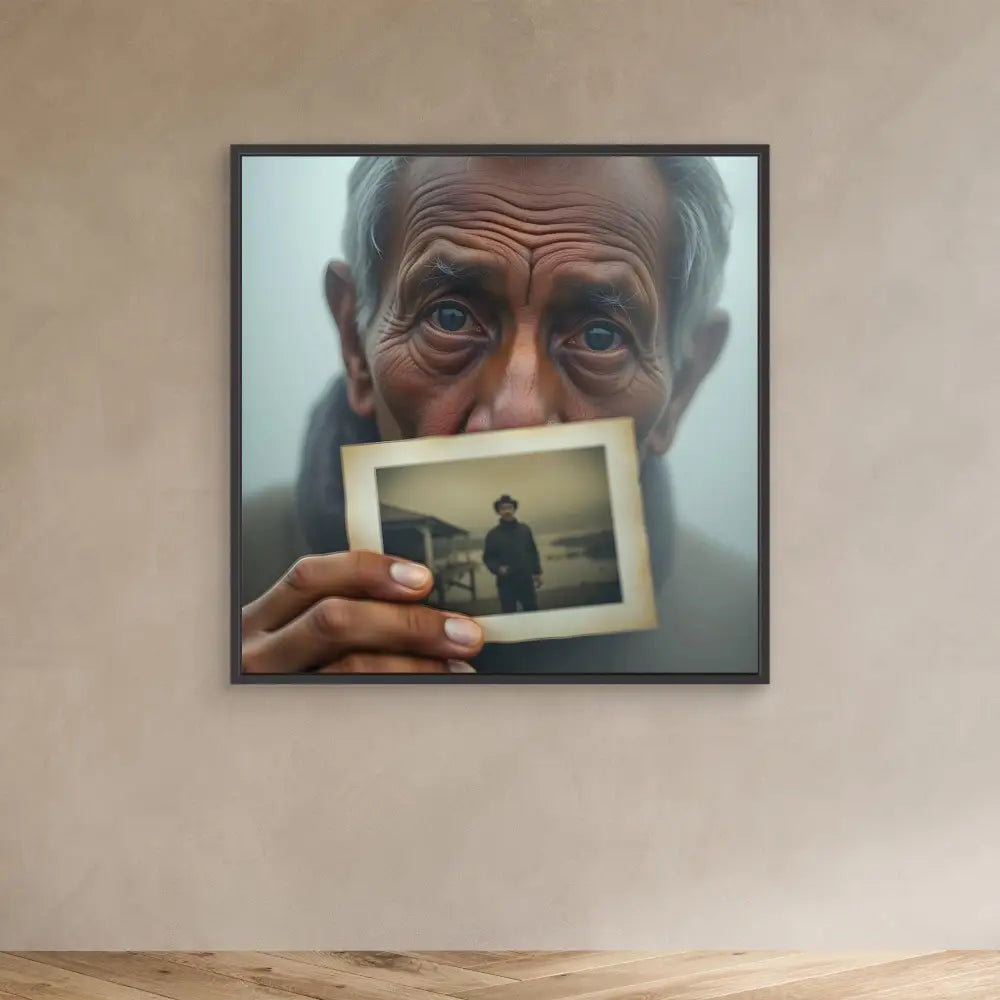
(519, 387)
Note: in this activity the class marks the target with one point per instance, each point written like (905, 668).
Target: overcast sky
(556, 490)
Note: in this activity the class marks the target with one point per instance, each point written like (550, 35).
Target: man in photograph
(481, 293)
(511, 555)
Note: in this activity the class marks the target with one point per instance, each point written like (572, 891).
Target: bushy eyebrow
(609, 296)
(438, 274)
(439, 271)
(619, 298)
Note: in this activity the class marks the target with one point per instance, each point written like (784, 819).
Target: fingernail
(460, 667)
(462, 632)
(410, 575)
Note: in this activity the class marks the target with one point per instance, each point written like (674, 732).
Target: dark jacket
(511, 544)
(707, 595)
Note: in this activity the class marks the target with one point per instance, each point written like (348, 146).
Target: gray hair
(697, 257)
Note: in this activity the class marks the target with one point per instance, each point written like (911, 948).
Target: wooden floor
(500, 975)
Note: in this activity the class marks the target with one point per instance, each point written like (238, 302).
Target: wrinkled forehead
(601, 198)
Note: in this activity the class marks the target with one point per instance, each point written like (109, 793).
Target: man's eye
(602, 337)
(450, 316)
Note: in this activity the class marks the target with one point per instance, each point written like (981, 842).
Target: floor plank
(396, 967)
(156, 974)
(688, 976)
(627, 974)
(472, 959)
(31, 980)
(301, 978)
(768, 973)
(941, 976)
(557, 963)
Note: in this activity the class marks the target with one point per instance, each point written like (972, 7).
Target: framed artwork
(499, 414)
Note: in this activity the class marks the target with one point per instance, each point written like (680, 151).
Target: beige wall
(145, 803)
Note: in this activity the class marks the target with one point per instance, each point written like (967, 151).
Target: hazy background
(293, 211)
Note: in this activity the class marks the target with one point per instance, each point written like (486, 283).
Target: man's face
(518, 292)
(506, 511)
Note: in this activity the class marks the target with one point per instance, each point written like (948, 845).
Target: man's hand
(502, 570)
(538, 579)
(354, 613)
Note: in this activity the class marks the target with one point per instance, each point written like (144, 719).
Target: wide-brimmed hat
(506, 498)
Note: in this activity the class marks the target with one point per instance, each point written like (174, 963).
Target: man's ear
(342, 298)
(707, 344)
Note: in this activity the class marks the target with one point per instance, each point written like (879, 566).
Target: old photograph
(519, 528)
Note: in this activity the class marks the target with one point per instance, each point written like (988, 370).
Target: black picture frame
(238, 152)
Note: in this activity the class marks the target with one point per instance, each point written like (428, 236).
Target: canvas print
(499, 413)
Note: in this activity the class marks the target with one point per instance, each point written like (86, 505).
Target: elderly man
(481, 293)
